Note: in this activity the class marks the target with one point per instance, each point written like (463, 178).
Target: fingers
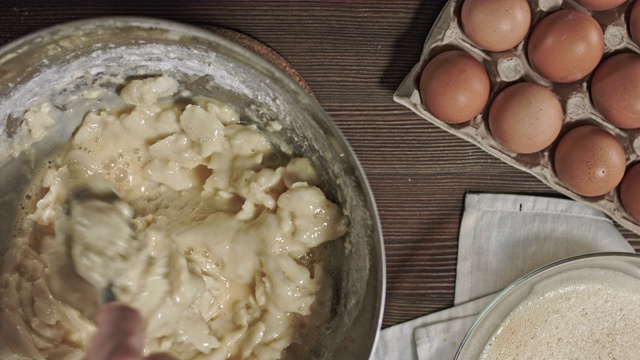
(119, 335)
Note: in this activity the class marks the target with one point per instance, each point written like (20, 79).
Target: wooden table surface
(353, 54)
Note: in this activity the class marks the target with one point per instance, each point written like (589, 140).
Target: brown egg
(630, 191)
(565, 46)
(525, 117)
(454, 87)
(600, 5)
(496, 25)
(634, 22)
(589, 161)
(615, 90)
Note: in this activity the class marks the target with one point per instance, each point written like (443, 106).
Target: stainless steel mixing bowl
(58, 64)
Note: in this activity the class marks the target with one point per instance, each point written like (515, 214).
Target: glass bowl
(564, 275)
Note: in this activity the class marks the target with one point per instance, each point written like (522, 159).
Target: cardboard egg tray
(511, 66)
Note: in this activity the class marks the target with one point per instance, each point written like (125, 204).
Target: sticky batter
(224, 272)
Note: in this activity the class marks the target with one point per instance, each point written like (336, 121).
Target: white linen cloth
(502, 237)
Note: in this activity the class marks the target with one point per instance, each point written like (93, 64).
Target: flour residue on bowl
(233, 263)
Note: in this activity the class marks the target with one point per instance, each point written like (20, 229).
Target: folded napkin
(502, 237)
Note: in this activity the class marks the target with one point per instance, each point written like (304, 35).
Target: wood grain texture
(353, 55)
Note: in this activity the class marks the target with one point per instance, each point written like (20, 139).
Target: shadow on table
(408, 46)
(16, 15)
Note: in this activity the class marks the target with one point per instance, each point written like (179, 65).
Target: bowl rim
(534, 273)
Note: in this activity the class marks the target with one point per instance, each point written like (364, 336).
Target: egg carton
(511, 66)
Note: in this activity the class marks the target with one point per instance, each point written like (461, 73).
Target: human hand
(119, 335)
